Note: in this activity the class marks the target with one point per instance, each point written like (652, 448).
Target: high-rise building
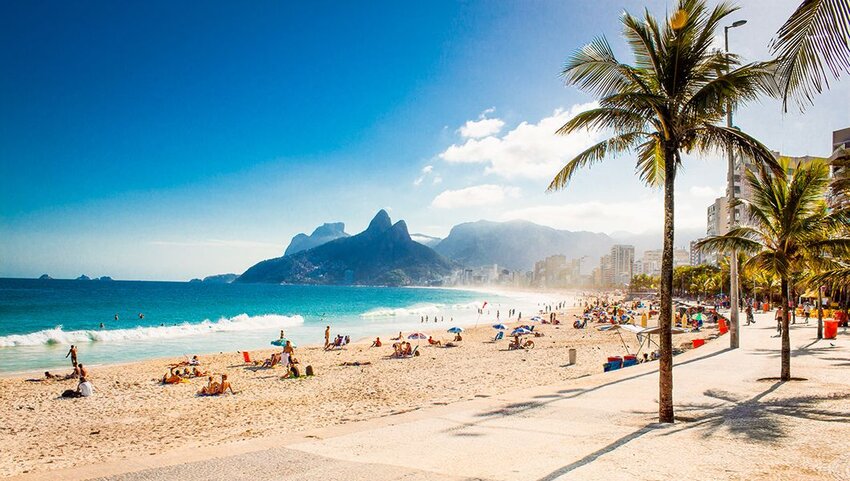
(841, 139)
(622, 263)
(697, 256)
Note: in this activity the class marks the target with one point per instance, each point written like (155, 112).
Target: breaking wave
(242, 322)
(418, 310)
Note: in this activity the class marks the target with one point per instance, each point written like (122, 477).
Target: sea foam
(418, 310)
(242, 322)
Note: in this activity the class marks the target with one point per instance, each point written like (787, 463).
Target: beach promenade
(732, 424)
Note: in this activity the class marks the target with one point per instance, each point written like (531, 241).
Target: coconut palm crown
(668, 102)
(791, 231)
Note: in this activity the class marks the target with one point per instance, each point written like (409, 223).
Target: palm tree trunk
(665, 363)
(820, 313)
(785, 374)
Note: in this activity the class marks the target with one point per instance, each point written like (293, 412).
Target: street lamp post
(734, 331)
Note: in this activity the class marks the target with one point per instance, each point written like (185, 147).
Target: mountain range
(517, 244)
(321, 235)
(383, 254)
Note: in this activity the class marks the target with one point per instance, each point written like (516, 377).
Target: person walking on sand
(327, 336)
(73, 353)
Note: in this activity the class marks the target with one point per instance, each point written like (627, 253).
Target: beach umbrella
(455, 330)
(520, 331)
(282, 342)
(418, 335)
(500, 327)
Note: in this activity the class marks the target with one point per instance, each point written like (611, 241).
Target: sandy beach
(133, 415)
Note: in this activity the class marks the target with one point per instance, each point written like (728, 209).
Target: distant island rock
(517, 244)
(84, 278)
(105, 278)
(196, 280)
(322, 235)
(45, 277)
(220, 279)
(426, 240)
(383, 254)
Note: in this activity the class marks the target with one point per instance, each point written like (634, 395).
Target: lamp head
(738, 23)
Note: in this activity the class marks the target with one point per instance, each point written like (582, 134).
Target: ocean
(40, 319)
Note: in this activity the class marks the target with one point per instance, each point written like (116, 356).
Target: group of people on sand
(177, 375)
(339, 341)
(214, 388)
(84, 386)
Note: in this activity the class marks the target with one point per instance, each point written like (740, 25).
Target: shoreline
(361, 322)
(128, 394)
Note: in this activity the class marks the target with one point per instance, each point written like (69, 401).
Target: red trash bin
(830, 329)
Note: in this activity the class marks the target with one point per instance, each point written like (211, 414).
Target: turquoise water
(39, 320)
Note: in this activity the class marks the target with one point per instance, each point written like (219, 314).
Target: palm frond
(709, 137)
(812, 46)
(612, 146)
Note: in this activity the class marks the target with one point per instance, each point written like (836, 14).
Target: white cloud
(425, 172)
(635, 215)
(705, 192)
(477, 195)
(475, 129)
(529, 150)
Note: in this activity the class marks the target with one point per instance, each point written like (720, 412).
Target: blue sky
(169, 140)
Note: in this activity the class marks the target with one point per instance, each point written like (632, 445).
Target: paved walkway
(732, 424)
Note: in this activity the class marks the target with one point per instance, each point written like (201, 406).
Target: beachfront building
(697, 256)
(617, 268)
(557, 271)
(650, 263)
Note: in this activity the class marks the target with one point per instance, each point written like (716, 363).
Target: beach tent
(643, 334)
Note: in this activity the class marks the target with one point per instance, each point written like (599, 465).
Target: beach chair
(499, 336)
(246, 356)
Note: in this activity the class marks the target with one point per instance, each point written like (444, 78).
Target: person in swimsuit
(73, 353)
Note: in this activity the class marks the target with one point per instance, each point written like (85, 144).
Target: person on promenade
(779, 321)
(73, 353)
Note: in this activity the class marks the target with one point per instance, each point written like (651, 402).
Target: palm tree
(670, 101)
(812, 46)
(790, 229)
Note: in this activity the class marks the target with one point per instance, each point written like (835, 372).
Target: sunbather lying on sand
(272, 361)
(356, 363)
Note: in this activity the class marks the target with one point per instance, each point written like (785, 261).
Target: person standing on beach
(327, 336)
(73, 353)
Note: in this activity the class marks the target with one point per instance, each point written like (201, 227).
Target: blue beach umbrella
(500, 327)
(520, 331)
(455, 330)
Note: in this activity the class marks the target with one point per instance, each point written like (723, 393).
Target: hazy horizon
(141, 146)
